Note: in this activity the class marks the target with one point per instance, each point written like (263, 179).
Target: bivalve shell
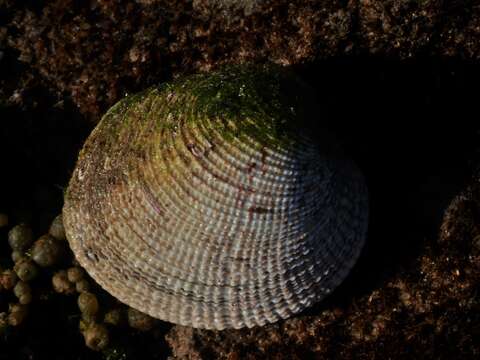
(214, 201)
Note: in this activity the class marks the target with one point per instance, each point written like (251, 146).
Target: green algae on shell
(211, 201)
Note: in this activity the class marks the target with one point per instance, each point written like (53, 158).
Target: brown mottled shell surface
(208, 202)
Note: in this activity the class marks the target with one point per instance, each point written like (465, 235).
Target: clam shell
(210, 202)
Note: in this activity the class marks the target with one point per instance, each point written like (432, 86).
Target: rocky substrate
(397, 82)
(95, 52)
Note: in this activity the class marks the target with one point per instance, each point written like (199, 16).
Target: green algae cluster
(263, 102)
(262, 106)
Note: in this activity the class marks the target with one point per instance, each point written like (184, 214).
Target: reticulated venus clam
(215, 201)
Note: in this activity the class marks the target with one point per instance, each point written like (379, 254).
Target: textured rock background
(96, 51)
(398, 81)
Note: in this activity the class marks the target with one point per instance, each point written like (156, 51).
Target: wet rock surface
(97, 51)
